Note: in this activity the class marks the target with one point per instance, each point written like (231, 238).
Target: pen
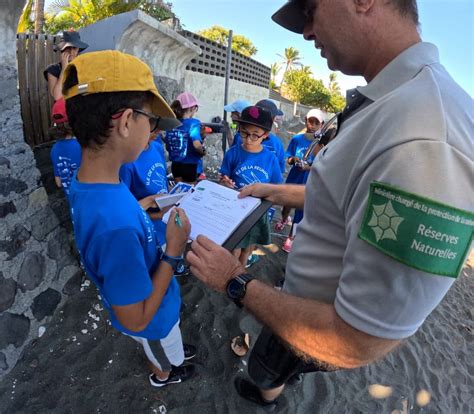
(177, 220)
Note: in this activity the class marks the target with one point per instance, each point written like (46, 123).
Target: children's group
(111, 133)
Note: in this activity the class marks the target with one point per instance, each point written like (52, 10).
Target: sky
(449, 24)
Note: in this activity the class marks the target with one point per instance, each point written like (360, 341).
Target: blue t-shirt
(245, 167)
(66, 158)
(273, 143)
(146, 176)
(120, 252)
(180, 140)
(297, 147)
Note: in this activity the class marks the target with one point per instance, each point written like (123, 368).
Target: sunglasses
(251, 136)
(153, 119)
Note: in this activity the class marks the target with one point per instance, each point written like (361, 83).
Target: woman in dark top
(69, 46)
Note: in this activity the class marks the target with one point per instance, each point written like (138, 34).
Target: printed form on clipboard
(215, 212)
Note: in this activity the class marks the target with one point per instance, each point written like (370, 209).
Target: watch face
(235, 289)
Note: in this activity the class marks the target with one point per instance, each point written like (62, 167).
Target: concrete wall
(36, 258)
(209, 90)
(165, 51)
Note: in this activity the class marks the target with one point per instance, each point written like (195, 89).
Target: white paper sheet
(215, 211)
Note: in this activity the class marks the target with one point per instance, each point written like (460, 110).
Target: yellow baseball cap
(114, 71)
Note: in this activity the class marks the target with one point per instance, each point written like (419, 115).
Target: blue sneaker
(253, 258)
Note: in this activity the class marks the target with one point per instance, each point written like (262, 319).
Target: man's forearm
(291, 195)
(313, 328)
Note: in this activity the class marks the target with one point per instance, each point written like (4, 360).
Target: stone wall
(37, 264)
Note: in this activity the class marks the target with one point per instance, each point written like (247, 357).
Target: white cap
(316, 113)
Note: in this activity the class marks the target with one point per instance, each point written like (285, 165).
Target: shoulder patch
(417, 231)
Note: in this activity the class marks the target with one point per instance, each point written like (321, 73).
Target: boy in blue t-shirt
(251, 163)
(273, 143)
(112, 116)
(66, 152)
(146, 178)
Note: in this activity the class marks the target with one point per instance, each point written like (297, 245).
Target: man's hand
(259, 190)
(212, 264)
(177, 232)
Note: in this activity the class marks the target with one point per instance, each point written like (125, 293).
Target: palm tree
(274, 69)
(291, 58)
(80, 13)
(39, 16)
(25, 23)
(333, 85)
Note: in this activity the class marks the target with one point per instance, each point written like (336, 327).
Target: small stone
(18, 237)
(73, 285)
(58, 246)
(4, 161)
(14, 328)
(7, 292)
(38, 198)
(43, 223)
(45, 303)
(3, 362)
(9, 184)
(41, 331)
(31, 272)
(6, 209)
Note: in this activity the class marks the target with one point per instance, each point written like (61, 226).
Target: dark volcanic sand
(70, 370)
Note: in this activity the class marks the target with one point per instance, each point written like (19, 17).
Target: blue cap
(269, 106)
(238, 106)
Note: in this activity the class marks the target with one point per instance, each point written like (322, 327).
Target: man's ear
(363, 6)
(123, 123)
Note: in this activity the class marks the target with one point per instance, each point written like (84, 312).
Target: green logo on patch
(385, 222)
(422, 233)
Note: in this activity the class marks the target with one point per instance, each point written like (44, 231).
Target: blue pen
(177, 220)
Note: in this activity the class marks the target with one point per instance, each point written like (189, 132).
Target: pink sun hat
(187, 100)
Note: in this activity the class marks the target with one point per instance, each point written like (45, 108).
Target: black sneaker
(177, 375)
(189, 351)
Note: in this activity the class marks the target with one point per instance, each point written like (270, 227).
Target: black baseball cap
(258, 116)
(291, 16)
(270, 106)
(71, 38)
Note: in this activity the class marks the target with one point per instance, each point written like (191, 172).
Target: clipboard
(211, 210)
(250, 221)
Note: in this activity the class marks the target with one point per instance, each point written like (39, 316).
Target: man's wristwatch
(237, 287)
(174, 261)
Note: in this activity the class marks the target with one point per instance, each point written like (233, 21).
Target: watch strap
(173, 261)
(243, 279)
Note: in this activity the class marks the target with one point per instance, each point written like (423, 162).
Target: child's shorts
(258, 234)
(164, 352)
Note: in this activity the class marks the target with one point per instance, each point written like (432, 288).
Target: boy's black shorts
(187, 172)
(272, 363)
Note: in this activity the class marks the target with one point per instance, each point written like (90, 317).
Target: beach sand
(82, 365)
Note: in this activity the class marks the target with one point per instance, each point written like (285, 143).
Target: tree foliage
(26, 23)
(220, 35)
(74, 14)
(300, 86)
(274, 70)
